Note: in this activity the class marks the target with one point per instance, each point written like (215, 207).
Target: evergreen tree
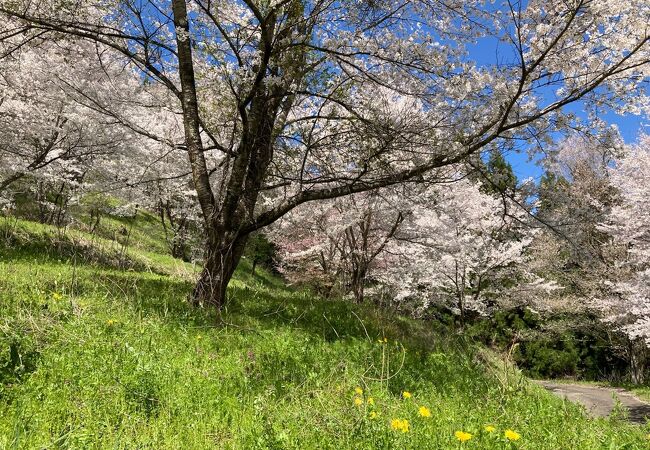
(502, 177)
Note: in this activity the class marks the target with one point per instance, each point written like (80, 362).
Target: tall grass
(94, 354)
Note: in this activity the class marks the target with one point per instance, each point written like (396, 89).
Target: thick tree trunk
(220, 264)
(225, 246)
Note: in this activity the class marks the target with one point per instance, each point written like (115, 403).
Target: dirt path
(600, 401)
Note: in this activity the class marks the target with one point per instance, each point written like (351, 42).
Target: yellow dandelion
(424, 411)
(489, 428)
(358, 401)
(463, 436)
(512, 435)
(110, 322)
(406, 394)
(358, 391)
(371, 401)
(400, 425)
(199, 337)
(373, 414)
(57, 296)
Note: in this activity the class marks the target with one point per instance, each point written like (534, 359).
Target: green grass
(642, 392)
(101, 350)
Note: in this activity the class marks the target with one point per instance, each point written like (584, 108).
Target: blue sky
(489, 51)
(629, 126)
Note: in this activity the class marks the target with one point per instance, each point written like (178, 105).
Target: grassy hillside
(98, 349)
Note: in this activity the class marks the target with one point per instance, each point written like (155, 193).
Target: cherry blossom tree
(63, 124)
(286, 102)
(628, 307)
(452, 246)
(452, 242)
(45, 132)
(574, 197)
(336, 242)
(75, 127)
(178, 216)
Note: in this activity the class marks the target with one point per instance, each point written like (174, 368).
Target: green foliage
(500, 329)
(502, 177)
(260, 251)
(549, 358)
(578, 346)
(550, 185)
(94, 356)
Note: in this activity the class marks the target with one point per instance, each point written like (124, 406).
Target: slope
(99, 349)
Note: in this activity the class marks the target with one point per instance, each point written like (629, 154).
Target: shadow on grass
(64, 248)
(260, 304)
(261, 300)
(421, 353)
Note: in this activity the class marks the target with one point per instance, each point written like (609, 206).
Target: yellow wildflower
(358, 401)
(400, 425)
(199, 337)
(373, 414)
(424, 411)
(371, 401)
(358, 391)
(489, 428)
(463, 436)
(512, 435)
(406, 394)
(57, 296)
(110, 322)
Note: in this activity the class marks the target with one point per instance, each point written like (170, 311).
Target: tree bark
(224, 247)
(359, 283)
(221, 262)
(191, 120)
(637, 362)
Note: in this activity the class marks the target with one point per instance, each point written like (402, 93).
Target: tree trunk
(359, 284)
(191, 120)
(637, 362)
(95, 217)
(359, 293)
(225, 244)
(461, 307)
(220, 264)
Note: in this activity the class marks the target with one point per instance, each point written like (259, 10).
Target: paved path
(600, 401)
